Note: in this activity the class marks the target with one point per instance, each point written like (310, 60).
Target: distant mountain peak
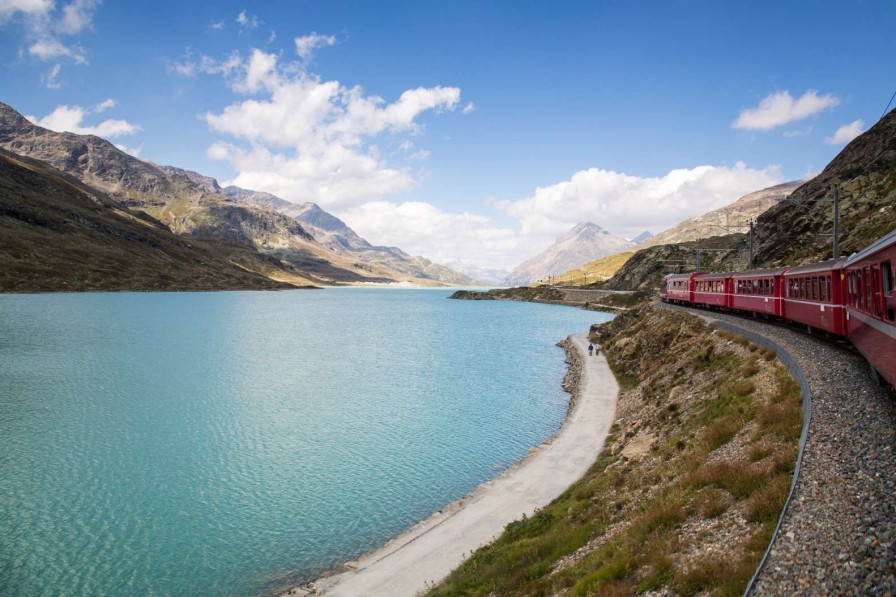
(585, 242)
(642, 237)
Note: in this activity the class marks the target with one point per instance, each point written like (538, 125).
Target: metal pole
(836, 222)
(750, 266)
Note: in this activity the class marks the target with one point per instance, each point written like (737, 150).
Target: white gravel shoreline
(430, 550)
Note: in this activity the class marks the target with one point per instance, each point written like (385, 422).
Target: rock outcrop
(730, 219)
(59, 234)
(336, 235)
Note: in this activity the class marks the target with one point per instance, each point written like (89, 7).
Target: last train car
(678, 287)
(870, 304)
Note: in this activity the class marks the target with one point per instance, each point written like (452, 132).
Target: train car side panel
(870, 295)
(812, 296)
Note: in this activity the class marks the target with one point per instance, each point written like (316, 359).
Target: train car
(759, 291)
(871, 306)
(813, 295)
(712, 290)
(678, 287)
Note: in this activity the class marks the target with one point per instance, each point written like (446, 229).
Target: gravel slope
(839, 533)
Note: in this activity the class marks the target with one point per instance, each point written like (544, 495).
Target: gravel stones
(839, 533)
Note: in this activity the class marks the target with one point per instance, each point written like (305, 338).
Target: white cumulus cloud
(847, 133)
(306, 139)
(9, 8)
(46, 27)
(134, 151)
(307, 44)
(778, 109)
(71, 119)
(627, 205)
(622, 204)
(421, 228)
(247, 21)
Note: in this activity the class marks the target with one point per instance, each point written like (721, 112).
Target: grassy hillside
(59, 234)
(684, 497)
(593, 271)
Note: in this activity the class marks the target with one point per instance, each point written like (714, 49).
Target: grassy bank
(688, 489)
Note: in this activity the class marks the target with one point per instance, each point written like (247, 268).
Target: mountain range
(56, 233)
(585, 242)
(734, 217)
(297, 244)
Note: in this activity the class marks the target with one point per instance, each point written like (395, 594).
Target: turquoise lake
(234, 443)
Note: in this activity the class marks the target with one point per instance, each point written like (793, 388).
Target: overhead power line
(888, 105)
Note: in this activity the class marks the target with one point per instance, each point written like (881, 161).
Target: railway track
(838, 533)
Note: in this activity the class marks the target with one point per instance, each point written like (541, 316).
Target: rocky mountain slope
(725, 220)
(585, 242)
(194, 205)
(59, 234)
(796, 230)
(864, 173)
(336, 235)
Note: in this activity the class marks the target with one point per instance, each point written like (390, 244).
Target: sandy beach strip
(429, 551)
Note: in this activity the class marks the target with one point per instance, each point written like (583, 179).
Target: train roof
(880, 244)
(761, 273)
(824, 266)
(715, 276)
(681, 276)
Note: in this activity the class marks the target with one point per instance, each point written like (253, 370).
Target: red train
(853, 298)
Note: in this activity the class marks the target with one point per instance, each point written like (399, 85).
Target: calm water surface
(233, 443)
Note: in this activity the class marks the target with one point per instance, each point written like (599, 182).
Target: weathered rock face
(729, 219)
(865, 175)
(59, 234)
(585, 242)
(336, 235)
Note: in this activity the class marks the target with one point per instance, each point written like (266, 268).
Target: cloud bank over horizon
(623, 204)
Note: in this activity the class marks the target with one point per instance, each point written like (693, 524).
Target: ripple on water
(222, 443)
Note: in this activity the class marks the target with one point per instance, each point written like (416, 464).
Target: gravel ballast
(839, 533)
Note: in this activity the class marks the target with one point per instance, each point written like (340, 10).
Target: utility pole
(750, 266)
(836, 222)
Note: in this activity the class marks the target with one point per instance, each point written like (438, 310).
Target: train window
(823, 289)
(866, 291)
(887, 273)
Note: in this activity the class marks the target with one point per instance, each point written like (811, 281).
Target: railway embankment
(594, 299)
(838, 535)
(687, 492)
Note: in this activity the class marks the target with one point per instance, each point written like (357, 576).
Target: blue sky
(470, 132)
